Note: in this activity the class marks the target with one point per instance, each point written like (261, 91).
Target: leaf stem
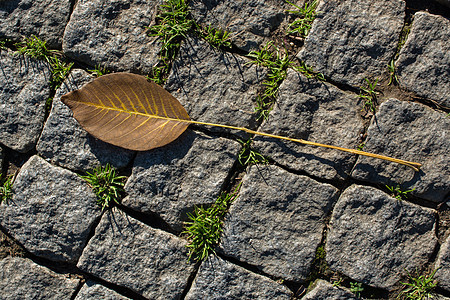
(415, 166)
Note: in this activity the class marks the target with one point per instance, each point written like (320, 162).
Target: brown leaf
(128, 111)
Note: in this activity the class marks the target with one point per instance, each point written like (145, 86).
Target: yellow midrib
(410, 164)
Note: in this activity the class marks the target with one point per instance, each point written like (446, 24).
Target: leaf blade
(126, 110)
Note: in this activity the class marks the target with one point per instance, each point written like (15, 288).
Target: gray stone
(315, 111)
(129, 253)
(51, 212)
(112, 34)
(412, 132)
(20, 278)
(219, 279)
(173, 179)
(250, 23)
(443, 265)
(325, 290)
(424, 60)
(43, 18)
(93, 290)
(65, 143)
(276, 222)
(354, 39)
(24, 90)
(215, 86)
(374, 238)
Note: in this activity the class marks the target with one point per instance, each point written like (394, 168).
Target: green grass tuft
(369, 95)
(308, 71)
(217, 38)
(393, 79)
(37, 49)
(106, 185)
(6, 189)
(205, 226)
(418, 288)
(99, 71)
(356, 288)
(173, 23)
(276, 61)
(304, 18)
(248, 156)
(397, 193)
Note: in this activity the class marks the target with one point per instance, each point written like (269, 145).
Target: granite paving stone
(43, 18)
(322, 289)
(171, 180)
(21, 278)
(354, 39)
(220, 279)
(443, 266)
(129, 253)
(94, 291)
(51, 212)
(250, 23)
(374, 238)
(23, 92)
(276, 222)
(413, 132)
(424, 60)
(113, 34)
(319, 112)
(215, 86)
(65, 143)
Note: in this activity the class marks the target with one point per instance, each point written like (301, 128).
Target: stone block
(374, 238)
(412, 132)
(24, 90)
(51, 212)
(276, 222)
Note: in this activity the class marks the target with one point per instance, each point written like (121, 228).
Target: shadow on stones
(311, 158)
(149, 218)
(9, 6)
(433, 7)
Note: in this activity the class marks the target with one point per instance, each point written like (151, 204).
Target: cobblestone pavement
(313, 223)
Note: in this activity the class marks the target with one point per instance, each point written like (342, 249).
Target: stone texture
(276, 222)
(215, 86)
(23, 92)
(443, 265)
(250, 23)
(20, 278)
(374, 238)
(129, 253)
(112, 34)
(65, 143)
(325, 290)
(43, 18)
(412, 132)
(219, 279)
(51, 212)
(315, 111)
(173, 179)
(424, 60)
(354, 39)
(92, 290)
